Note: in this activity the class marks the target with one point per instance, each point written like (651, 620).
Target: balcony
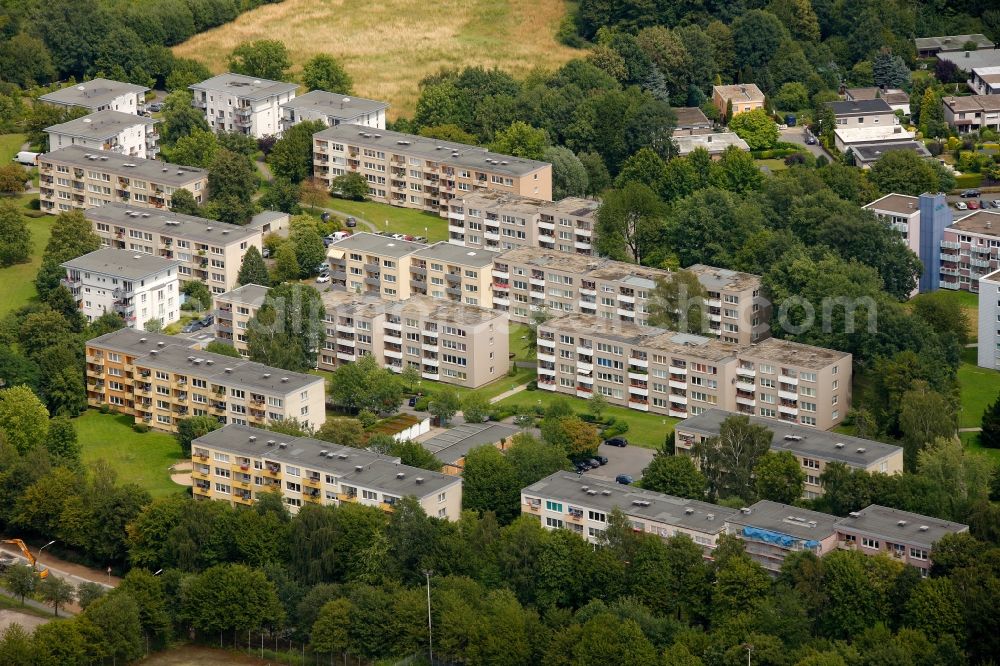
(673, 383)
(641, 406)
(550, 358)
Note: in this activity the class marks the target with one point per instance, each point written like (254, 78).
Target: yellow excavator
(32, 562)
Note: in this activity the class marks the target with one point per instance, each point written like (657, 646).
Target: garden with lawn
(143, 458)
(392, 219)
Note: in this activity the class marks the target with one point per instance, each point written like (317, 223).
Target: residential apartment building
(332, 109)
(972, 112)
(527, 280)
(928, 47)
(969, 250)
(565, 500)
(80, 178)
(678, 374)
(160, 379)
(985, 80)
(813, 449)
(244, 104)
(236, 463)
(988, 354)
(449, 342)
(743, 97)
(113, 131)
(715, 143)
(921, 222)
(138, 287)
(418, 172)
(397, 269)
(499, 221)
(967, 61)
(100, 95)
(772, 531)
(866, 112)
(209, 251)
(233, 311)
(904, 536)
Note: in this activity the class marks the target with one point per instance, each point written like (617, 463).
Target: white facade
(114, 131)
(333, 109)
(136, 286)
(100, 95)
(237, 103)
(989, 321)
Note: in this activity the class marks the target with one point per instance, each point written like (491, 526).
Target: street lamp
(749, 649)
(43, 548)
(430, 626)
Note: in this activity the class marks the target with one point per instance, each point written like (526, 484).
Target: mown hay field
(388, 47)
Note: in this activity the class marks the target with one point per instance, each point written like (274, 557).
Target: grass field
(400, 220)
(142, 458)
(17, 282)
(518, 342)
(971, 442)
(388, 47)
(979, 388)
(644, 429)
(10, 144)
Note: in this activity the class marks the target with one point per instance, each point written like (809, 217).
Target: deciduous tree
(324, 72)
(192, 428)
(521, 140)
(56, 592)
(24, 421)
(15, 238)
(291, 157)
(628, 222)
(779, 477)
(365, 385)
(679, 303)
(443, 404)
(183, 202)
(263, 58)
(288, 330)
(756, 128)
(72, 236)
(490, 483)
(728, 460)
(674, 475)
(252, 269)
(351, 186)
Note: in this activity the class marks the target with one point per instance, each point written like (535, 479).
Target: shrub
(104, 408)
(532, 385)
(140, 427)
(421, 404)
(618, 428)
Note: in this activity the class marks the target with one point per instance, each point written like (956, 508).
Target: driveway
(798, 135)
(630, 460)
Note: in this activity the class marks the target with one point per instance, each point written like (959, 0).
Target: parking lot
(630, 460)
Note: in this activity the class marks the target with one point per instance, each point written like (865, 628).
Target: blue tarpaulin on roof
(777, 538)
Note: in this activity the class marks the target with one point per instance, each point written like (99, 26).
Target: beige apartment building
(743, 96)
(236, 463)
(160, 379)
(209, 251)
(565, 500)
(501, 221)
(527, 280)
(417, 172)
(448, 342)
(396, 269)
(813, 449)
(678, 374)
(80, 178)
(233, 312)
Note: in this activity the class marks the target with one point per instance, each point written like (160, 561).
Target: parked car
(961, 205)
(325, 217)
(970, 194)
(602, 459)
(412, 402)
(193, 326)
(581, 466)
(620, 442)
(594, 463)
(265, 253)
(207, 320)
(810, 140)
(973, 204)
(323, 279)
(624, 479)
(155, 107)
(351, 223)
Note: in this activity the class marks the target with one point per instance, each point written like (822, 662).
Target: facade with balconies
(160, 379)
(100, 95)
(137, 287)
(126, 134)
(243, 104)
(970, 250)
(333, 109)
(233, 311)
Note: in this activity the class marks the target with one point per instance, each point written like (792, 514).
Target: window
(597, 516)
(553, 506)
(369, 494)
(869, 543)
(918, 554)
(553, 522)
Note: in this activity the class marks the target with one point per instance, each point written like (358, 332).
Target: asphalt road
(798, 135)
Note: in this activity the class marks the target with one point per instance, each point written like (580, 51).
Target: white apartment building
(80, 178)
(238, 103)
(813, 449)
(502, 221)
(233, 312)
(526, 280)
(160, 379)
(565, 500)
(209, 251)
(448, 342)
(678, 374)
(100, 95)
(333, 109)
(988, 355)
(138, 287)
(419, 172)
(113, 131)
(235, 463)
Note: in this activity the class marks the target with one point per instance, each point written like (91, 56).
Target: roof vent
(591, 492)
(145, 214)
(606, 493)
(209, 362)
(80, 88)
(270, 442)
(400, 475)
(710, 516)
(793, 438)
(924, 528)
(861, 449)
(329, 455)
(228, 370)
(854, 514)
(282, 445)
(190, 358)
(142, 340)
(901, 523)
(342, 456)
(88, 120)
(584, 488)
(323, 452)
(208, 228)
(164, 169)
(154, 352)
(745, 510)
(252, 438)
(266, 375)
(419, 480)
(284, 380)
(839, 445)
(160, 344)
(358, 468)
(688, 511)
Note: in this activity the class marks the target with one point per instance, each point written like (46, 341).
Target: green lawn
(518, 342)
(644, 429)
(12, 603)
(969, 303)
(17, 282)
(10, 145)
(142, 458)
(773, 164)
(979, 387)
(971, 442)
(400, 220)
